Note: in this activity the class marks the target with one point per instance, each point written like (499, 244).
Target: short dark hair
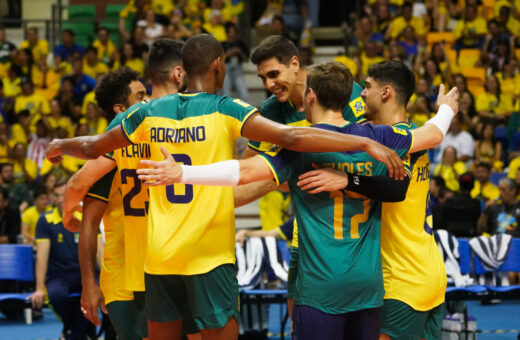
(199, 52)
(39, 191)
(3, 165)
(71, 32)
(164, 55)
(91, 49)
(275, 46)
(396, 74)
(114, 89)
(332, 83)
(484, 165)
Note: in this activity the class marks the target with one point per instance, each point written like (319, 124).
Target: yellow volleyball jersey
(413, 269)
(191, 228)
(134, 206)
(112, 278)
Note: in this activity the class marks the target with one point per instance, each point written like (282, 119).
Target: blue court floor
(496, 322)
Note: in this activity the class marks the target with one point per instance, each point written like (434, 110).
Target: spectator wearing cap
(152, 29)
(68, 48)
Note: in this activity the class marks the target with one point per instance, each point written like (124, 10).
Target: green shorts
(141, 323)
(402, 322)
(209, 299)
(123, 316)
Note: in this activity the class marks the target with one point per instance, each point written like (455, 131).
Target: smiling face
(278, 78)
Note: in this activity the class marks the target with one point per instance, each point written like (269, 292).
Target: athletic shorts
(311, 324)
(123, 315)
(141, 322)
(402, 322)
(210, 299)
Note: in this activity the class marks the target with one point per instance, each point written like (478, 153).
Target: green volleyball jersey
(339, 265)
(287, 114)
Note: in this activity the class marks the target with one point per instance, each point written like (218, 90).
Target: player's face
(278, 78)
(371, 94)
(137, 92)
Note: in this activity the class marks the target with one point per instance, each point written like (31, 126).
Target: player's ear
(118, 108)
(386, 92)
(177, 74)
(294, 63)
(311, 95)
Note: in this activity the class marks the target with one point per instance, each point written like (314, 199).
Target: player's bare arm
(305, 139)
(91, 296)
(78, 186)
(433, 131)
(87, 147)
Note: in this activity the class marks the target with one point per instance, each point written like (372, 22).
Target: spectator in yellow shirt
(31, 215)
(25, 170)
(450, 169)
(106, 50)
(21, 131)
(214, 26)
(369, 57)
(471, 30)
(30, 100)
(48, 80)
(493, 104)
(91, 65)
(4, 143)
(405, 19)
(57, 121)
(39, 47)
(129, 59)
(488, 149)
(483, 188)
(12, 82)
(96, 123)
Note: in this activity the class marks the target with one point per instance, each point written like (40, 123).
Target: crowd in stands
(471, 44)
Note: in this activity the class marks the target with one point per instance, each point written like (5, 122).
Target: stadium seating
(16, 264)
(82, 11)
(468, 57)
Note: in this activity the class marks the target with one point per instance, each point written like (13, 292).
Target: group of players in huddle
(364, 263)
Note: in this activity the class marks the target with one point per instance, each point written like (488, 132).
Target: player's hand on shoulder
(388, 157)
(451, 98)
(165, 172)
(325, 179)
(53, 152)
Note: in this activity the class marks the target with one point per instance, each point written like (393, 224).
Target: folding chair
(17, 264)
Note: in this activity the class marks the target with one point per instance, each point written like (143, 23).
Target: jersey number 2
(355, 220)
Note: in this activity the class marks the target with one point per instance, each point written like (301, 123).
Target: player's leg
(141, 322)
(214, 299)
(310, 323)
(399, 321)
(363, 324)
(123, 317)
(162, 306)
(432, 329)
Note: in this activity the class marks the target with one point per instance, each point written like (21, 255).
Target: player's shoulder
(272, 107)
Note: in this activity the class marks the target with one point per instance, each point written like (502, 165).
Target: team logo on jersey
(274, 150)
(399, 131)
(357, 106)
(241, 103)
